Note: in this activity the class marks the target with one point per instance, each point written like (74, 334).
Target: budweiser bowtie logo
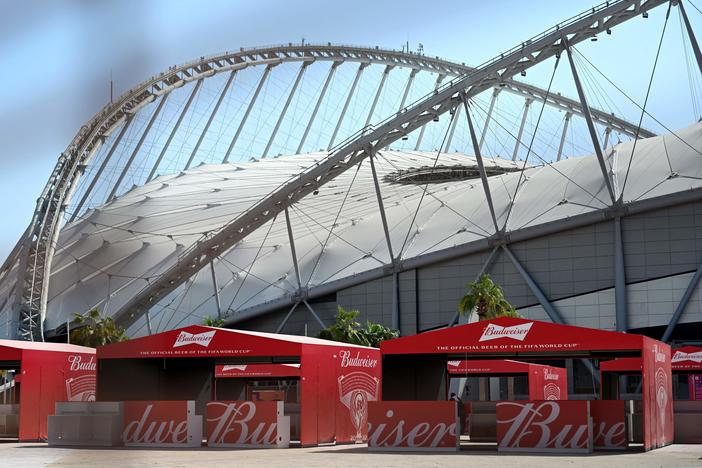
(202, 339)
(515, 332)
(241, 368)
(681, 356)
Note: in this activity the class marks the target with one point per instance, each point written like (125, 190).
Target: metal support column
(303, 67)
(211, 118)
(102, 167)
(457, 318)
(314, 314)
(216, 290)
(359, 72)
(527, 104)
(378, 93)
(550, 309)
(292, 249)
(174, 130)
(439, 79)
(566, 122)
(449, 139)
(608, 132)
(591, 126)
(691, 35)
(622, 315)
(481, 166)
(148, 323)
(287, 317)
(261, 82)
(495, 93)
(330, 75)
(128, 165)
(408, 86)
(691, 287)
(386, 230)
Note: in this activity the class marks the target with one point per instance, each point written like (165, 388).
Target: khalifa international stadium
(266, 186)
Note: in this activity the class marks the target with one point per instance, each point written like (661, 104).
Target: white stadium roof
(111, 253)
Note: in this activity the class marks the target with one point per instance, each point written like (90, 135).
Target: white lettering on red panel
(515, 332)
(201, 339)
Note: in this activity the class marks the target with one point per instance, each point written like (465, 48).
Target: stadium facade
(184, 199)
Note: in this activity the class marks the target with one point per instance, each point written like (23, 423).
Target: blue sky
(57, 56)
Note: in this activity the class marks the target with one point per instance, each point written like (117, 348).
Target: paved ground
(20, 455)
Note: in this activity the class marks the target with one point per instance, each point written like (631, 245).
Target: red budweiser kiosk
(687, 388)
(414, 370)
(253, 389)
(541, 382)
(33, 377)
(481, 381)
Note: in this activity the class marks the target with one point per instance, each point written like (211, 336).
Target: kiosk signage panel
(609, 430)
(161, 424)
(247, 424)
(544, 426)
(412, 425)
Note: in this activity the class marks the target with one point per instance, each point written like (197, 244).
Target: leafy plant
(347, 330)
(486, 299)
(92, 329)
(212, 322)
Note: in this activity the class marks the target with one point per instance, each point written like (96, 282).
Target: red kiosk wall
(658, 394)
(548, 383)
(48, 377)
(316, 407)
(357, 382)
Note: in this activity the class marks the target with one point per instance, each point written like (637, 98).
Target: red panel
(509, 335)
(687, 358)
(412, 425)
(48, 377)
(609, 430)
(622, 365)
(155, 423)
(357, 384)
(257, 370)
(657, 394)
(544, 426)
(242, 423)
(547, 383)
(200, 341)
(487, 366)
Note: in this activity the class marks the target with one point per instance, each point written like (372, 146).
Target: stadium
(267, 186)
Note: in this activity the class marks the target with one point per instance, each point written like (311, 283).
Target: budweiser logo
(241, 368)
(515, 332)
(150, 430)
(237, 423)
(355, 391)
(77, 364)
(681, 356)
(356, 361)
(201, 339)
(539, 425)
(548, 375)
(396, 432)
(658, 356)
